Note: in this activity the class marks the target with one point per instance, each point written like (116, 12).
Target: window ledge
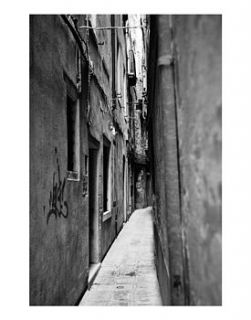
(107, 215)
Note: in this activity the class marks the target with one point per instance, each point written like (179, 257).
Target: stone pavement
(127, 276)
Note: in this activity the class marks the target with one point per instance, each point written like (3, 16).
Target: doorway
(124, 189)
(93, 203)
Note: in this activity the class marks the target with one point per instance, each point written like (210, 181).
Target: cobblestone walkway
(127, 276)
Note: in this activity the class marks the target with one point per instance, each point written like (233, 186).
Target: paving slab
(127, 276)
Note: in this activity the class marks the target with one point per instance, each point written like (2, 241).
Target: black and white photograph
(125, 181)
(125, 160)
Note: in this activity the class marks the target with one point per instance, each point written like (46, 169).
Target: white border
(15, 159)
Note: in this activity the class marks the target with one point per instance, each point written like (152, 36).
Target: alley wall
(199, 122)
(58, 225)
(77, 124)
(185, 140)
(137, 40)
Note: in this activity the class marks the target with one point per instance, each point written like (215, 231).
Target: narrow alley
(127, 276)
(125, 160)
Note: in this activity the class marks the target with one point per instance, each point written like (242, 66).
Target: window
(125, 93)
(131, 69)
(139, 105)
(106, 176)
(73, 140)
(119, 73)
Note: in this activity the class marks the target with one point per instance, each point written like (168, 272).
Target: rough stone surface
(128, 276)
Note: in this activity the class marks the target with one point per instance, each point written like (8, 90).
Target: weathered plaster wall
(101, 116)
(198, 45)
(185, 128)
(121, 121)
(58, 248)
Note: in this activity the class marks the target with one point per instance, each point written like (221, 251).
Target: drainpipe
(166, 101)
(186, 265)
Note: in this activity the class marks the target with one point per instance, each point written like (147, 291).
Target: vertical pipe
(166, 104)
(176, 98)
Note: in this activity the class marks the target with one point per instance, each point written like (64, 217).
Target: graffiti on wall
(57, 204)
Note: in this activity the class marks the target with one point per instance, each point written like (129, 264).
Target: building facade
(184, 123)
(137, 42)
(81, 173)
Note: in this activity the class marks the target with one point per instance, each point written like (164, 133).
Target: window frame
(73, 102)
(107, 210)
